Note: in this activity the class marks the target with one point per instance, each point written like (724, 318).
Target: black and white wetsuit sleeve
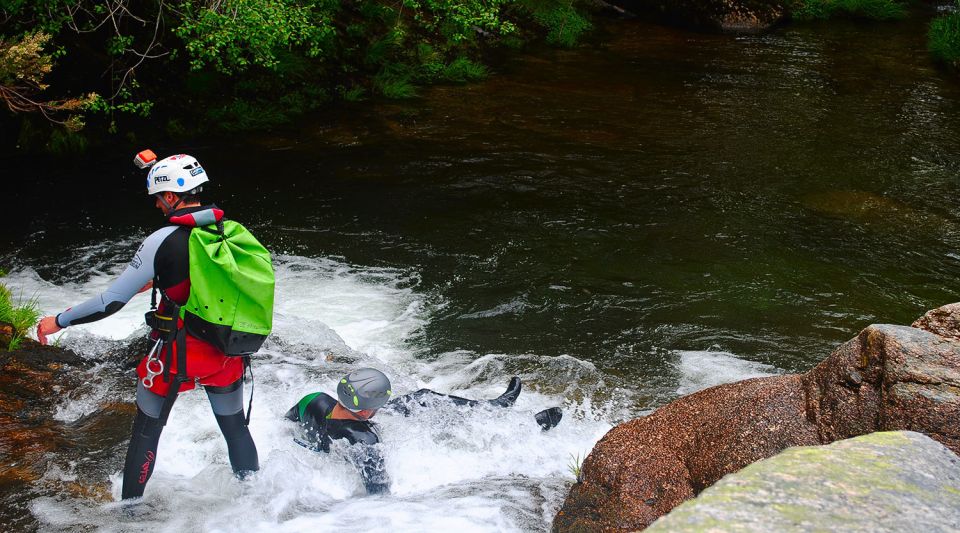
(368, 460)
(137, 274)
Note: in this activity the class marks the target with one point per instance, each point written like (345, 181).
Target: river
(620, 224)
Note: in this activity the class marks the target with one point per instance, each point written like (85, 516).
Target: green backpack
(231, 289)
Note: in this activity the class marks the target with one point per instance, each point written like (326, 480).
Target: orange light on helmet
(144, 159)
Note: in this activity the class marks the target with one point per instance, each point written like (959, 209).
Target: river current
(620, 224)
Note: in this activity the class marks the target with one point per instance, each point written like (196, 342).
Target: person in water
(360, 394)
(162, 262)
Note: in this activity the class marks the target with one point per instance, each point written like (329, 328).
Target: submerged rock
(896, 481)
(887, 378)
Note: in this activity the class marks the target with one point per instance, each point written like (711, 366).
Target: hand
(47, 326)
(146, 287)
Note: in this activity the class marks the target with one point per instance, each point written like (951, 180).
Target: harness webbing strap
(179, 378)
(153, 293)
(167, 350)
(248, 367)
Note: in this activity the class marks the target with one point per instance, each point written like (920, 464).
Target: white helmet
(177, 173)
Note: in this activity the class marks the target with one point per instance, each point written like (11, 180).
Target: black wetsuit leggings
(227, 403)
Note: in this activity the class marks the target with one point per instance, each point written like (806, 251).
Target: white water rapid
(451, 469)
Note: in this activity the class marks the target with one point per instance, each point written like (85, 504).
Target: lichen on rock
(902, 480)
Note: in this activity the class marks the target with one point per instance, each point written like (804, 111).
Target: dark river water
(655, 194)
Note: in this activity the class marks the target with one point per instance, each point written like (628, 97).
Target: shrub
(23, 67)
(943, 39)
(238, 33)
(867, 9)
(221, 64)
(563, 23)
(458, 20)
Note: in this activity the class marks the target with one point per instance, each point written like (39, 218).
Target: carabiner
(154, 349)
(154, 372)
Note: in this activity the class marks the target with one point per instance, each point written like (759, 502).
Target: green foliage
(118, 44)
(21, 315)
(431, 62)
(239, 33)
(395, 81)
(264, 113)
(23, 67)
(123, 102)
(563, 23)
(254, 64)
(458, 20)
(807, 10)
(382, 49)
(353, 94)
(462, 70)
(943, 39)
(30, 16)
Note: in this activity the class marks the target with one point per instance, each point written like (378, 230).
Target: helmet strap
(170, 208)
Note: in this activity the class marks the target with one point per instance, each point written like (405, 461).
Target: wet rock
(724, 15)
(887, 378)
(943, 321)
(896, 481)
(32, 380)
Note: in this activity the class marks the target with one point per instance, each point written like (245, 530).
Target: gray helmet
(366, 388)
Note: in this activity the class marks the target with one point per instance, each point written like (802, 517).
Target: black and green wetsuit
(313, 412)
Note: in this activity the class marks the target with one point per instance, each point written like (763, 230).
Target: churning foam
(702, 369)
(450, 468)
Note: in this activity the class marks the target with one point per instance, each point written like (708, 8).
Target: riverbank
(301, 60)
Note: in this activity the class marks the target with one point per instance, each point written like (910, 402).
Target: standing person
(231, 279)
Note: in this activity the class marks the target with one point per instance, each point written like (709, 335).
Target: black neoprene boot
(549, 418)
(141, 455)
(510, 396)
(242, 450)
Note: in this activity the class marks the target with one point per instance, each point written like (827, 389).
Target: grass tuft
(395, 81)
(21, 315)
(575, 467)
(462, 70)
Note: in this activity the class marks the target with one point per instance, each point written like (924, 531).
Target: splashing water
(470, 469)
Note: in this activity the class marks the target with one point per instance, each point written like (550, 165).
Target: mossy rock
(890, 481)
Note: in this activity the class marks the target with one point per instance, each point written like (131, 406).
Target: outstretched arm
(137, 276)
